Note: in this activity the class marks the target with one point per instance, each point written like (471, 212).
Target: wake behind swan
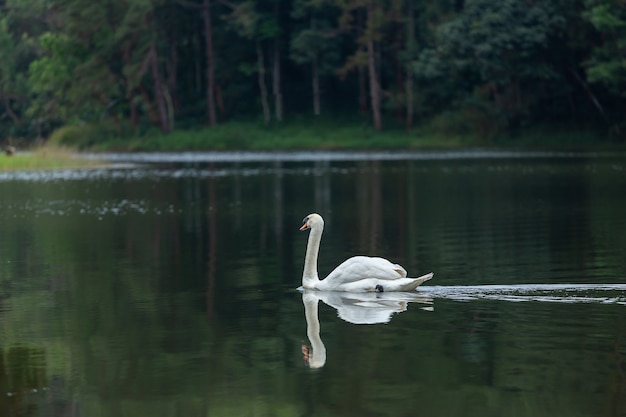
(556, 293)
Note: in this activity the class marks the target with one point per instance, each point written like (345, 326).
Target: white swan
(356, 274)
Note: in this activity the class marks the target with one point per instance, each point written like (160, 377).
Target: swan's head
(311, 221)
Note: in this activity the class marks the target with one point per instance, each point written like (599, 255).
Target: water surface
(166, 286)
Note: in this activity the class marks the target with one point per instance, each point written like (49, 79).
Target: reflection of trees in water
(476, 347)
(370, 198)
(266, 203)
(409, 244)
(212, 253)
(322, 187)
(25, 389)
(615, 399)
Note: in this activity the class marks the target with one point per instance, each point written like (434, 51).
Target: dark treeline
(480, 65)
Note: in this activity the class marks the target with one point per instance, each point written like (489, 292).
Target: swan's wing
(403, 284)
(363, 267)
(374, 284)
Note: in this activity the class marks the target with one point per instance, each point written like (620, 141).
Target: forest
(476, 66)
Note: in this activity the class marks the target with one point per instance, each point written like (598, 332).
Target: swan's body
(356, 274)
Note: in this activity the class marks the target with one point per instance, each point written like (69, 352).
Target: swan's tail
(416, 282)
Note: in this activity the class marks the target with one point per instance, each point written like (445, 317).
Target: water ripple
(143, 165)
(554, 293)
(304, 156)
(39, 207)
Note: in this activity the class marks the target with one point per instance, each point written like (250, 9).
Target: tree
(495, 53)
(210, 58)
(372, 35)
(314, 44)
(58, 97)
(253, 20)
(21, 24)
(91, 51)
(207, 22)
(137, 62)
(140, 38)
(410, 53)
(371, 18)
(13, 92)
(607, 64)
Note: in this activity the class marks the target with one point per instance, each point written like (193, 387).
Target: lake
(167, 286)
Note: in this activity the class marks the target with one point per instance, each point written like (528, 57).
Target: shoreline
(310, 142)
(107, 160)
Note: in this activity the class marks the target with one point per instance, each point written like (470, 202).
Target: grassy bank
(45, 157)
(60, 151)
(321, 134)
(324, 135)
(251, 136)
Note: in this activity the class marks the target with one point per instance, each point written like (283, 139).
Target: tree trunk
(152, 115)
(374, 88)
(197, 52)
(9, 110)
(219, 99)
(208, 36)
(362, 91)
(134, 117)
(410, 110)
(590, 94)
(169, 105)
(400, 83)
(262, 86)
(362, 78)
(278, 95)
(172, 71)
(317, 110)
(130, 90)
(159, 96)
(315, 78)
(409, 101)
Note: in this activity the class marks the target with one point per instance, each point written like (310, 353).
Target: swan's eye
(305, 220)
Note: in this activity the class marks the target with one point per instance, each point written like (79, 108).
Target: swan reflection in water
(356, 308)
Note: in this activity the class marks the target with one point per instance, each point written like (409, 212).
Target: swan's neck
(309, 276)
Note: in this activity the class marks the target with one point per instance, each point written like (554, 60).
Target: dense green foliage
(474, 66)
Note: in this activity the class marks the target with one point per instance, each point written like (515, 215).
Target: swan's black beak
(304, 227)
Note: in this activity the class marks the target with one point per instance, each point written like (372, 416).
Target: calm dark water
(168, 287)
